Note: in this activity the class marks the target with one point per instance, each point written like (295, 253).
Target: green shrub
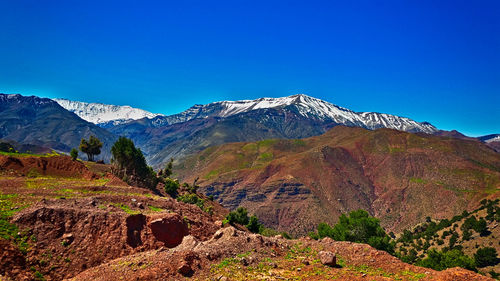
(486, 256)
(254, 225)
(192, 198)
(74, 154)
(360, 227)
(440, 260)
(240, 216)
(171, 186)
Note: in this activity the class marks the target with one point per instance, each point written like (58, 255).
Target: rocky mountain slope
(104, 115)
(400, 177)
(72, 220)
(216, 123)
(467, 232)
(43, 122)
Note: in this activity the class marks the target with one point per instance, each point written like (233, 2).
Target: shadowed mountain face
(181, 139)
(296, 116)
(43, 122)
(399, 177)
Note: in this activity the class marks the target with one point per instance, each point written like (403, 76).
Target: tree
(486, 256)
(91, 147)
(74, 154)
(7, 147)
(440, 260)
(129, 163)
(360, 227)
(254, 225)
(240, 216)
(167, 172)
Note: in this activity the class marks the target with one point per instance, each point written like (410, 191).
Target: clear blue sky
(436, 61)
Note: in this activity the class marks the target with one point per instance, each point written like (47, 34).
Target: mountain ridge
(400, 177)
(104, 115)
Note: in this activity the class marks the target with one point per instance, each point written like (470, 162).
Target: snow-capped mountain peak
(306, 106)
(101, 114)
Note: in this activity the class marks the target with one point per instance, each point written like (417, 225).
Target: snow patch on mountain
(306, 106)
(105, 114)
(490, 138)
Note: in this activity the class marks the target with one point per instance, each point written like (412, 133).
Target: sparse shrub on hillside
(440, 260)
(411, 257)
(494, 274)
(240, 216)
(7, 147)
(360, 227)
(74, 154)
(466, 235)
(254, 225)
(486, 256)
(192, 198)
(129, 163)
(167, 172)
(171, 186)
(453, 240)
(92, 147)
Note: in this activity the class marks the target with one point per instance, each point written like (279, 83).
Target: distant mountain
(43, 122)
(303, 105)
(104, 115)
(492, 141)
(400, 177)
(296, 116)
(490, 138)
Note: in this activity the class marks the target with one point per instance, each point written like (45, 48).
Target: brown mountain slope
(399, 177)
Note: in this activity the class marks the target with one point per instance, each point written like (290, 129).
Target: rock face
(399, 177)
(327, 258)
(88, 235)
(224, 256)
(170, 229)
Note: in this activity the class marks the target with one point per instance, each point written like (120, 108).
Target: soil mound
(62, 166)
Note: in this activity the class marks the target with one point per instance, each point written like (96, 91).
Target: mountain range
(162, 137)
(42, 122)
(400, 177)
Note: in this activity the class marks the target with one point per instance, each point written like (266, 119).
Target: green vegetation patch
(265, 157)
(126, 208)
(8, 230)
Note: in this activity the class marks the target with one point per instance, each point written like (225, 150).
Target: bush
(254, 225)
(171, 186)
(74, 154)
(360, 227)
(486, 256)
(192, 198)
(240, 216)
(6, 147)
(440, 260)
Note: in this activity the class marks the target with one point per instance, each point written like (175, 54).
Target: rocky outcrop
(85, 233)
(233, 254)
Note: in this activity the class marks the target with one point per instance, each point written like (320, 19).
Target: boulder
(327, 258)
(169, 229)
